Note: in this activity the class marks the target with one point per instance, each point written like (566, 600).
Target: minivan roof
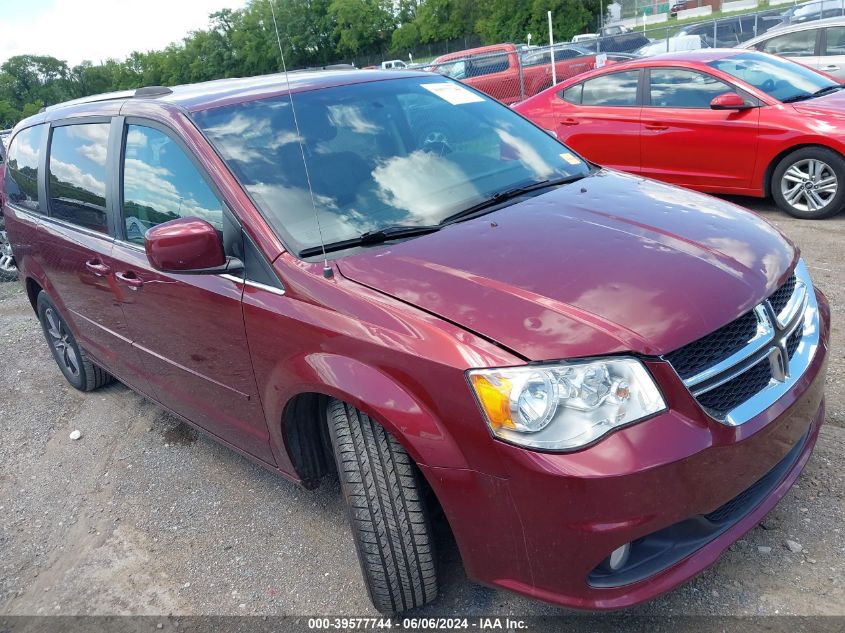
(209, 94)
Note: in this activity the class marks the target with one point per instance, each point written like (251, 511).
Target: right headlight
(565, 406)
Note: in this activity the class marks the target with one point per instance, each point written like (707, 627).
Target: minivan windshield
(780, 78)
(403, 152)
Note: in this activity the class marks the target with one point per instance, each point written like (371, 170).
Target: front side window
(409, 151)
(797, 44)
(779, 78)
(614, 89)
(77, 168)
(675, 88)
(160, 183)
(21, 182)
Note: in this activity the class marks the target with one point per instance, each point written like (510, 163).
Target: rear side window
(487, 65)
(835, 41)
(616, 89)
(798, 44)
(676, 88)
(21, 183)
(77, 171)
(160, 183)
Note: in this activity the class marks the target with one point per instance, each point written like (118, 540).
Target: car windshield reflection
(400, 152)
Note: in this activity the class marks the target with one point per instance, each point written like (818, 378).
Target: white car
(672, 45)
(819, 44)
(393, 64)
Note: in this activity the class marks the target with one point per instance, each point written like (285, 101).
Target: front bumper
(543, 530)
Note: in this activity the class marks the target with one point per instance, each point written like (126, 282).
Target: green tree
(362, 25)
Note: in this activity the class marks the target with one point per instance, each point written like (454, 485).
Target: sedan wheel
(809, 183)
(8, 270)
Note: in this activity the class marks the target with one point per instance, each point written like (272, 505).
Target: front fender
(375, 393)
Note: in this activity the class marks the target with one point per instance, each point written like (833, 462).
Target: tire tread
(387, 511)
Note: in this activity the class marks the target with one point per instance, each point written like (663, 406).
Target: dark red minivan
(601, 380)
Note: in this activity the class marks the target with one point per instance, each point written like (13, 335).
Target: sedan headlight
(565, 406)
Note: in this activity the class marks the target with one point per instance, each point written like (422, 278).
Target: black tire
(386, 507)
(798, 192)
(73, 362)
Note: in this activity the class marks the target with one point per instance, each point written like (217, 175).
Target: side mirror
(728, 101)
(187, 245)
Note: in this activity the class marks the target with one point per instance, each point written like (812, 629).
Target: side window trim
(44, 176)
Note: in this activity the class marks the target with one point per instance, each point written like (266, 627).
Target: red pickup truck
(495, 70)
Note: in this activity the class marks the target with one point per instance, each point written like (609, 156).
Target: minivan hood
(611, 263)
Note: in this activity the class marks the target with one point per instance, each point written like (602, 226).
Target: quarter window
(21, 182)
(77, 171)
(572, 94)
(797, 44)
(615, 89)
(671, 88)
(160, 183)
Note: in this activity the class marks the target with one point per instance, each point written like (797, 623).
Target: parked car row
(714, 120)
(505, 73)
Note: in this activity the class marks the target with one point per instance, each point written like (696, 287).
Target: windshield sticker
(570, 158)
(453, 93)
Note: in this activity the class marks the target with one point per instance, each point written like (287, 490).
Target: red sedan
(719, 121)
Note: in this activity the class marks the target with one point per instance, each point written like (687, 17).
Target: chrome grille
(715, 347)
(744, 366)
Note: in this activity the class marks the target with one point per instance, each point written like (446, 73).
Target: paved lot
(142, 516)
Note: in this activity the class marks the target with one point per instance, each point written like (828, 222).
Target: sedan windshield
(779, 78)
(404, 152)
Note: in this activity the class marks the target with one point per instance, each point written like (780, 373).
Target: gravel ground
(143, 516)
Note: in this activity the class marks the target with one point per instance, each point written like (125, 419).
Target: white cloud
(67, 173)
(75, 30)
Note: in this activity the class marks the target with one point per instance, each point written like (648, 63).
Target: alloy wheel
(809, 185)
(59, 339)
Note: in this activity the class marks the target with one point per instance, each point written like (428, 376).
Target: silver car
(819, 44)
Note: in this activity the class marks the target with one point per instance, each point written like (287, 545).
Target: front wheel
(386, 507)
(809, 183)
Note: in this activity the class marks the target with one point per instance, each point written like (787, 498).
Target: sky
(75, 30)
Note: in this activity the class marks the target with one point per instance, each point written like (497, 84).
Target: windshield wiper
(509, 194)
(377, 236)
(827, 90)
(812, 95)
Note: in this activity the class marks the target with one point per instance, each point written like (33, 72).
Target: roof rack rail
(152, 91)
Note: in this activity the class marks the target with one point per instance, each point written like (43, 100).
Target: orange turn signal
(494, 394)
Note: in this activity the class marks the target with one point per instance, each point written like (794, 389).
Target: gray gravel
(143, 516)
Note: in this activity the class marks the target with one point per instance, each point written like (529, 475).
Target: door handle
(569, 121)
(831, 67)
(97, 267)
(130, 279)
(657, 127)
